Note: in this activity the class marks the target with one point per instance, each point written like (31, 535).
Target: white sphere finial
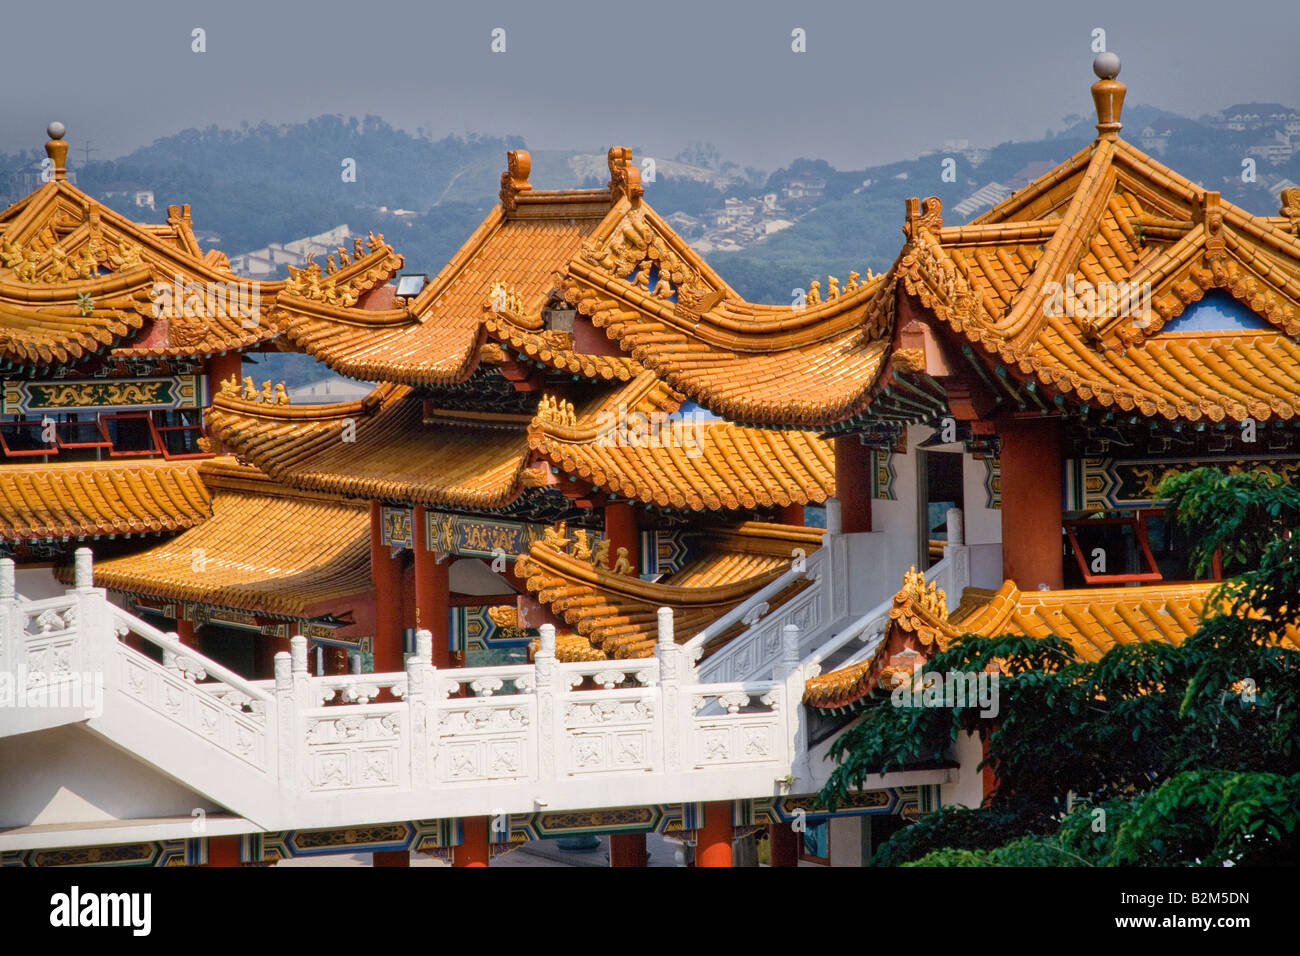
(1106, 66)
(56, 130)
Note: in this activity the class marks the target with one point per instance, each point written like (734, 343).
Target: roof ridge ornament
(624, 175)
(1290, 200)
(57, 149)
(922, 215)
(519, 165)
(1108, 95)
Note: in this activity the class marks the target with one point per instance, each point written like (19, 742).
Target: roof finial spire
(1108, 95)
(57, 149)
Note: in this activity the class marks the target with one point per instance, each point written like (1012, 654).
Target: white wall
(983, 525)
(37, 582)
(845, 839)
(899, 519)
(968, 789)
(69, 776)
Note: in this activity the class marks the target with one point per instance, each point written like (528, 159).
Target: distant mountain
(265, 184)
(857, 226)
(273, 184)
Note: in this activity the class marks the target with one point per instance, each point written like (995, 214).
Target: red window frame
(82, 444)
(1138, 522)
(27, 452)
(158, 431)
(136, 452)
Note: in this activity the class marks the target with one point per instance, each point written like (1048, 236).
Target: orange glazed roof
(264, 550)
(1111, 217)
(77, 278)
(1092, 620)
(459, 459)
(687, 463)
(436, 337)
(767, 364)
(99, 499)
(614, 615)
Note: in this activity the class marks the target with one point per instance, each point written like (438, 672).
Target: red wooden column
(432, 591)
(989, 775)
(713, 846)
(853, 464)
(267, 648)
(792, 515)
(186, 632)
(386, 576)
(473, 850)
(1030, 462)
(784, 844)
(392, 858)
(222, 367)
(627, 849)
(223, 851)
(622, 532)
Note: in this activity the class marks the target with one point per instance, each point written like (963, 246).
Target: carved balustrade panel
(226, 721)
(733, 726)
(485, 739)
(356, 748)
(610, 731)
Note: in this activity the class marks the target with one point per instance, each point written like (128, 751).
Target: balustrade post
(96, 632)
(292, 694)
(83, 575)
(671, 667)
(790, 673)
(419, 687)
(10, 618)
(958, 554)
(834, 516)
(956, 528)
(550, 713)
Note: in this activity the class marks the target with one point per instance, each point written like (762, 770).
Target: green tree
(1193, 746)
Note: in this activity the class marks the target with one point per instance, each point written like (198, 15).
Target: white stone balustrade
(304, 751)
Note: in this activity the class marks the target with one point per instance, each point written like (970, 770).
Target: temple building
(1108, 325)
(607, 549)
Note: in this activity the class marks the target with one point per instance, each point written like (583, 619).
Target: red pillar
(392, 858)
(989, 775)
(187, 633)
(627, 849)
(473, 850)
(622, 532)
(223, 851)
(386, 576)
(784, 843)
(1030, 463)
(713, 846)
(221, 367)
(853, 464)
(792, 515)
(432, 592)
(267, 648)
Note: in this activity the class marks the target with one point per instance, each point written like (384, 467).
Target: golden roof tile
(790, 365)
(265, 550)
(628, 444)
(1092, 620)
(378, 448)
(614, 615)
(99, 499)
(435, 338)
(77, 278)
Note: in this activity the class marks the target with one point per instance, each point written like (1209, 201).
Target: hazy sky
(878, 81)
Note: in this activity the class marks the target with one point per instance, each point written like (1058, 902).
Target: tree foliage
(1191, 750)
(1237, 513)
